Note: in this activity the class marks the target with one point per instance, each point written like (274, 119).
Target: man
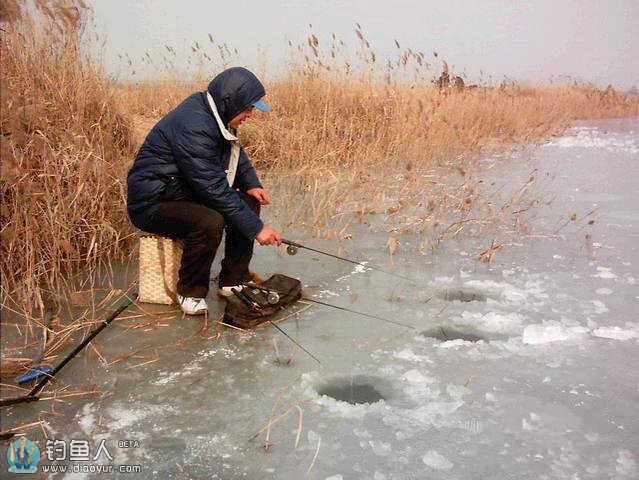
(191, 179)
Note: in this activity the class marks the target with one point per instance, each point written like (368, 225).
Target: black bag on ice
(266, 299)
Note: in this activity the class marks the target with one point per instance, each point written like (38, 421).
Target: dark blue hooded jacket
(185, 156)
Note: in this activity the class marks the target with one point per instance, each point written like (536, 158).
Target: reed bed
(349, 136)
(65, 148)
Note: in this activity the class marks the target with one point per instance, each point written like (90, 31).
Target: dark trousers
(200, 229)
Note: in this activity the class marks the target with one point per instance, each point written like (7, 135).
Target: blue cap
(262, 106)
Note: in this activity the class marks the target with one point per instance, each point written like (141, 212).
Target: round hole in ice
(462, 295)
(445, 333)
(354, 390)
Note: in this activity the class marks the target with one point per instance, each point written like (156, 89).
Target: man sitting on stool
(191, 179)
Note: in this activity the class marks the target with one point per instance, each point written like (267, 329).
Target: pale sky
(589, 40)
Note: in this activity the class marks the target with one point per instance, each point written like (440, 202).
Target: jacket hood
(234, 90)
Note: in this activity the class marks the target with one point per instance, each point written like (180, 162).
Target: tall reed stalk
(65, 150)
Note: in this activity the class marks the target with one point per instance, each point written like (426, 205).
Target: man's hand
(269, 236)
(260, 194)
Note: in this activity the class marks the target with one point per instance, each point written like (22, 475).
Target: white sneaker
(192, 306)
(228, 291)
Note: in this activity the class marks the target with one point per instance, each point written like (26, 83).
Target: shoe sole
(195, 313)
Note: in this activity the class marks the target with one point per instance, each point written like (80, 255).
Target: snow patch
(605, 273)
(626, 464)
(380, 448)
(493, 321)
(544, 333)
(410, 356)
(415, 376)
(593, 138)
(87, 419)
(604, 291)
(600, 307)
(437, 461)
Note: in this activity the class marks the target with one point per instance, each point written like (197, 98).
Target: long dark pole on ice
(32, 395)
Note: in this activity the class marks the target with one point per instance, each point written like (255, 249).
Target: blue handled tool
(37, 371)
(34, 374)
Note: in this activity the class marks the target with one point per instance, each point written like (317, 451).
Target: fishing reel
(272, 298)
(292, 250)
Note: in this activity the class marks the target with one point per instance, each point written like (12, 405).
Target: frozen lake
(524, 367)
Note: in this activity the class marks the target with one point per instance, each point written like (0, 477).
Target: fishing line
(266, 290)
(245, 299)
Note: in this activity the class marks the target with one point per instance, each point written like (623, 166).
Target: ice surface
(549, 393)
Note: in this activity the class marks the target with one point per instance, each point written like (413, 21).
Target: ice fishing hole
(445, 334)
(354, 390)
(463, 296)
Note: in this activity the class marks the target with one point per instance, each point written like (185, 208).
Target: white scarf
(235, 143)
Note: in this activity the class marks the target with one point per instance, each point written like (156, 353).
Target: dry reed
(64, 152)
(349, 136)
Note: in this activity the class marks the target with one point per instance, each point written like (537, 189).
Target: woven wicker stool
(159, 264)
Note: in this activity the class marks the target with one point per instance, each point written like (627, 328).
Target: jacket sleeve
(196, 156)
(246, 176)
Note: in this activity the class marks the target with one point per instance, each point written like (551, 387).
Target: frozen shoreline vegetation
(332, 157)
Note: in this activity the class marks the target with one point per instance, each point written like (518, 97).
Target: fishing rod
(273, 297)
(32, 396)
(256, 307)
(293, 247)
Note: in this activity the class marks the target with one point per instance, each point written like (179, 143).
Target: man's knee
(212, 226)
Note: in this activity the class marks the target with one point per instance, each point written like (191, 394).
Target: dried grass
(65, 148)
(348, 137)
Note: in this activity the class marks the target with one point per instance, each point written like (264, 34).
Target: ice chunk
(415, 376)
(436, 461)
(335, 477)
(544, 333)
(615, 333)
(362, 432)
(380, 448)
(409, 355)
(604, 272)
(458, 342)
(326, 294)
(456, 391)
(501, 322)
(493, 321)
(626, 465)
(600, 307)
(591, 436)
(427, 414)
(604, 291)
